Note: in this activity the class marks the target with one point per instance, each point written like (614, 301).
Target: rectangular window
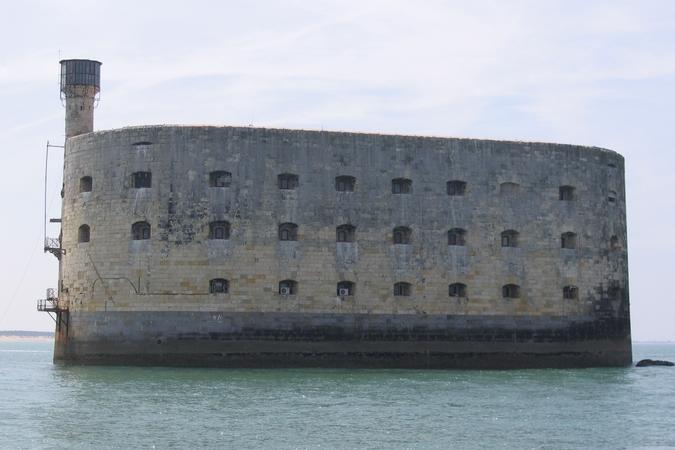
(142, 179)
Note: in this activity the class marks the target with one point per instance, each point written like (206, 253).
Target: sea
(51, 406)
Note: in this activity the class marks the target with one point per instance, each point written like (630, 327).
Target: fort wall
(166, 279)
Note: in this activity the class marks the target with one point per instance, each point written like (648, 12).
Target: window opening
(83, 233)
(401, 186)
(219, 286)
(457, 290)
(455, 187)
(402, 235)
(288, 181)
(511, 291)
(142, 179)
(140, 231)
(288, 232)
(456, 236)
(345, 183)
(402, 289)
(288, 287)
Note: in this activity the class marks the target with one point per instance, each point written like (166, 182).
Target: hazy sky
(594, 73)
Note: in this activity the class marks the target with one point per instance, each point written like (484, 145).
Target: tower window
(567, 193)
(568, 240)
(220, 178)
(142, 179)
(346, 233)
(401, 186)
(287, 181)
(456, 236)
(402, 235)
(219, 286)
(510, 238)
(288, 287)
(455, 187)
(457, 290)
(85, 184)
(140, 231)
(345, 183)
(611, 197)
(219, 230)
(511, 291)
(288, 232)
(345, 288)
(83, 233)
(570, 292)
(402, 289)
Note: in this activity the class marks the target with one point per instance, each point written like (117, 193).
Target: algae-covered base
(332, 340)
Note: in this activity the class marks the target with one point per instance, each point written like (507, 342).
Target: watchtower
(80, 86)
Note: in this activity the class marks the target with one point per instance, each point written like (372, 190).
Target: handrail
(49, 304)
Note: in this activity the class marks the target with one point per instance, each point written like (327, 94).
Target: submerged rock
(653, 362)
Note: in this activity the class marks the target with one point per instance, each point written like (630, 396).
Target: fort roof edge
(352, 133)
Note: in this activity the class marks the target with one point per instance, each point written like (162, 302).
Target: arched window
(402, 289)
(287, 181)
(456, 236)
(219, 286)
(509, 188)
(140, 231)
(455, 187)
(568, 240)
(345, 288)
(288, 287)
(220, 178)
(457, 290)
(85, 184)
(510, 238)
(83, 233)
(611, 197)
(567, 193)
(345, 183)
(570, 292)
(219, 230)
(402, 235)
(346, 233)
(401, 186)
(142, 179)
(288, 232)
(511, 291)
(614, 243)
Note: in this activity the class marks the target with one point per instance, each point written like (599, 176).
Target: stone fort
(257, 247)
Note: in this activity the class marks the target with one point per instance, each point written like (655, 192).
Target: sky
(598, 73)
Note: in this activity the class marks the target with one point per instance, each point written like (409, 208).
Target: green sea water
(47, 406)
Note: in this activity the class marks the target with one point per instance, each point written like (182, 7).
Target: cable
(23, 275)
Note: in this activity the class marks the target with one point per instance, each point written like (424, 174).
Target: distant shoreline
(26, 336)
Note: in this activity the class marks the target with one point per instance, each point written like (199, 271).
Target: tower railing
(53, 246)
(50, 303)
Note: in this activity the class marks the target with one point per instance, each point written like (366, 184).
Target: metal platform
(50, 304)
(53, 246)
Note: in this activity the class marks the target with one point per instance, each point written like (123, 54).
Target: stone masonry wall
(171, 271)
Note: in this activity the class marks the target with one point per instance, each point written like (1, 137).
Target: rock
(653, 362)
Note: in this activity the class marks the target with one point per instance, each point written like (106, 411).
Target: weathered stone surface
(510, 186)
